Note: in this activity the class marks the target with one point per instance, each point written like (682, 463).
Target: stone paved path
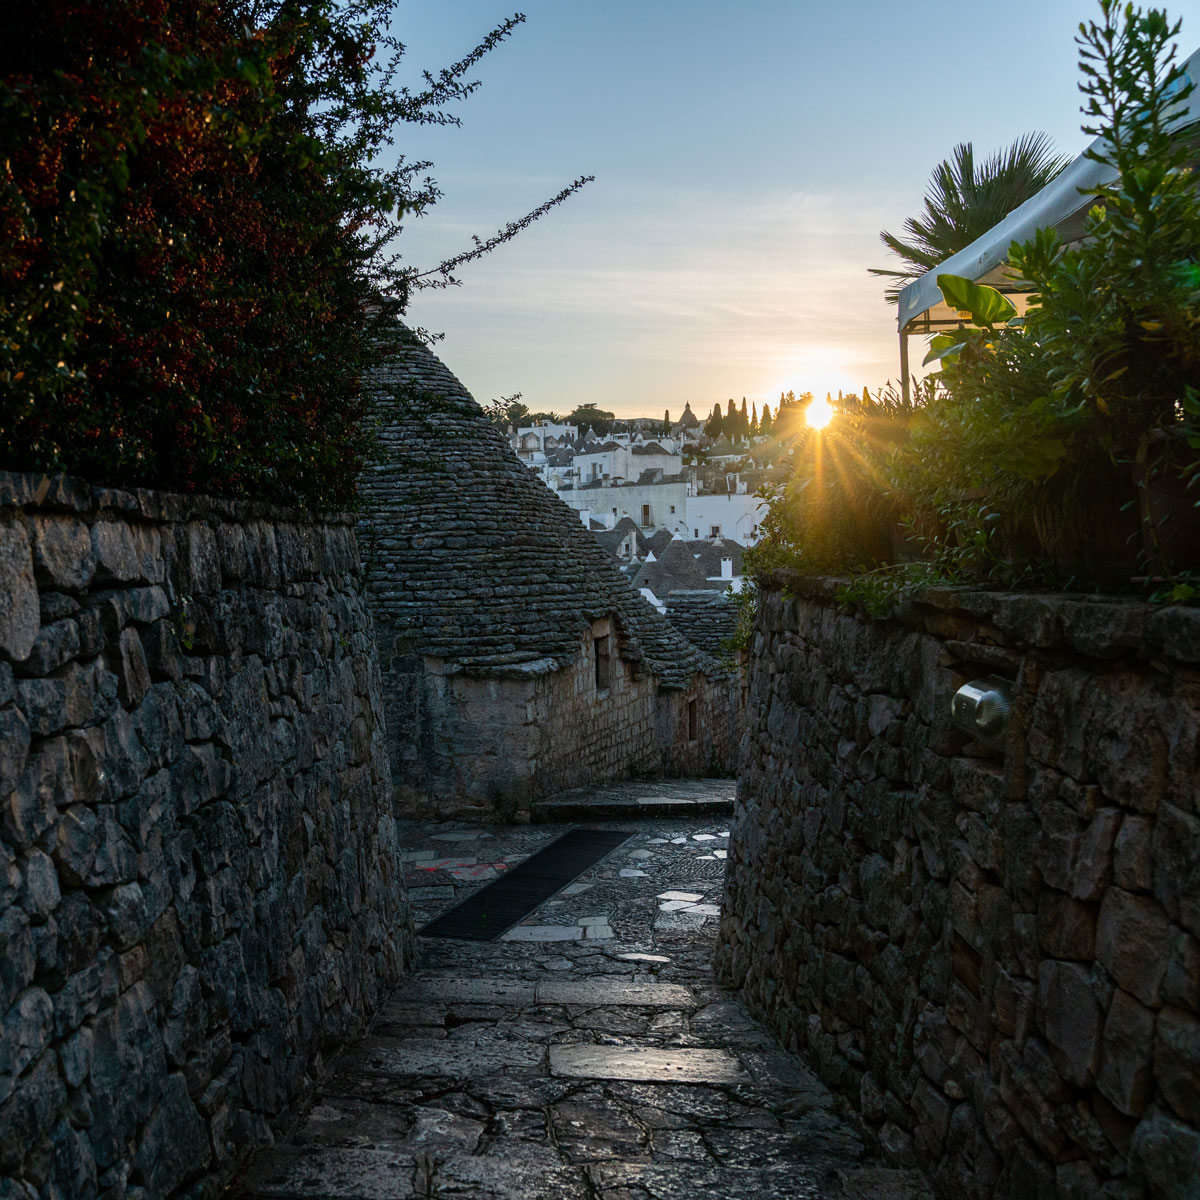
(589, 1054)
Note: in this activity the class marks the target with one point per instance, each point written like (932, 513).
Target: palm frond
(964, 200)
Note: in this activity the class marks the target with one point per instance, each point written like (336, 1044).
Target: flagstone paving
(589, 1053)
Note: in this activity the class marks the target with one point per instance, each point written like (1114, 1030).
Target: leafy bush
(1078, 422)
(1057, 448)
(194, 259)
(835, 510)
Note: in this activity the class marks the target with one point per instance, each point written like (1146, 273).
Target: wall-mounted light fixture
(982, 709)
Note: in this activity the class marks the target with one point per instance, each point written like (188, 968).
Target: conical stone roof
(470, 558)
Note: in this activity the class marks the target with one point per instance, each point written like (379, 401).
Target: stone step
(371, 1173)
(607, 991)
(647, 1064)
(637, 800)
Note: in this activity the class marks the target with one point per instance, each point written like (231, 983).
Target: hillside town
(674, 504)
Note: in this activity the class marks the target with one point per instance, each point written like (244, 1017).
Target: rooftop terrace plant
(1061, 448)
(1079, 421)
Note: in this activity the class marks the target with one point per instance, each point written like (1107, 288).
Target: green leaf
(986, 305)
(945, 345)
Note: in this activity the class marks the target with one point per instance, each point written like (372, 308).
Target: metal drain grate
(485, 915)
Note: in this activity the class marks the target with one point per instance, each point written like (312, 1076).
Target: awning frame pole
(904, 384)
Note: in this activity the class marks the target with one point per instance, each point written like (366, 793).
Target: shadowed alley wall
(199, 890)
(994, 956)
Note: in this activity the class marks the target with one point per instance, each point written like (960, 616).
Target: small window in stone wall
(693, 732)
(600, 647)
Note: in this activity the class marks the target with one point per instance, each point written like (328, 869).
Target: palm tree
(964, 201)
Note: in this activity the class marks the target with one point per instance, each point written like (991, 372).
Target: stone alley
(589, 1052)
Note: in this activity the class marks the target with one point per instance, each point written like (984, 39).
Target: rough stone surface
(670, 1090)
(199, 886)
(517, 660)
(990, 954)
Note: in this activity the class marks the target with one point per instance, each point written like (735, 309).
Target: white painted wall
(735, 516)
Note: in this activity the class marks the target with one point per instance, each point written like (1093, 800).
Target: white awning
(1058, 205)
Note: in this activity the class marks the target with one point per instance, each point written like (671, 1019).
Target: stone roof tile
(471, 557)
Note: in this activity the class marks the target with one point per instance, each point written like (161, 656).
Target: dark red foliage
(185, 272)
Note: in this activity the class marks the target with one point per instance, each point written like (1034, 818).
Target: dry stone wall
(995, 957)
(612, 729)
(198, 877)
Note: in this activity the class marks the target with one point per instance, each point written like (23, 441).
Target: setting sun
(819, 413)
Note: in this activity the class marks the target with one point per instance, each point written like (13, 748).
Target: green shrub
(1059, 448)
(835, 510)
(1078, 423)
(195, 258)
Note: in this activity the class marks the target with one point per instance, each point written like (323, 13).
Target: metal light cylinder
(982, 708)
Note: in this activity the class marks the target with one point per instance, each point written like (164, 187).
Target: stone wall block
(159, 725)
(1069, 1016)
(1175, 850)
(132, 669)
(1177, 630)
(978, 785)
(118, 555)
(24, 1033)
(175, 1142)
(1014, 1003)
(32, 807)
(1182, 984)
(20, 616)
(80, 930)
(14, 748)
(63, 555)
(40, 893)
(1029, 620)
(231, 549)
(1067, 928)
(75, 694)
(91, 849)
(56, 644)
(1177, 1060)
(1022, 840)
(128, 1068)
(262, 555)
(30, 1114)
(1166, 1157)
(1092, 867)
(985, 843)
(1125, 1076)
(1034, 1114)
(17, 958)
(160, 643)
(1133, 941)
(297, 555)
(199, 559)
(124, 758)
(1132, 869)
(935, 684)
(1106, 630)
(124, 908)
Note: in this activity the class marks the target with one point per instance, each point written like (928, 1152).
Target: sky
(746, 157)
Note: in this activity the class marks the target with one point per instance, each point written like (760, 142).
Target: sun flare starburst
(819, 413)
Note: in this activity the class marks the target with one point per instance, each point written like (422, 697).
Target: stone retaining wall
(198, 882)
(994, 956)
